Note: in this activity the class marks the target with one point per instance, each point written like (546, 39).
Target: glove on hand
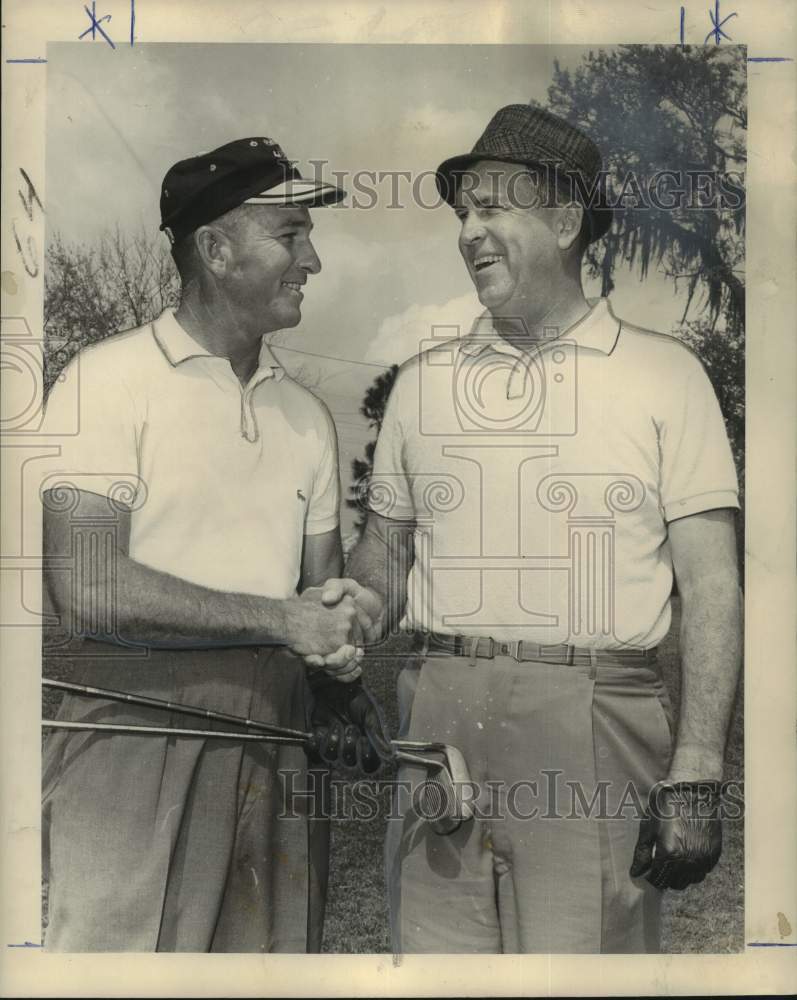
(348, 725)
(680, 838)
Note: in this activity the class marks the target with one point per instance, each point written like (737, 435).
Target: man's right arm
(158, 609)
(381, 561)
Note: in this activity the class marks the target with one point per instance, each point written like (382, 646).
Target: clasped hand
(329, 626)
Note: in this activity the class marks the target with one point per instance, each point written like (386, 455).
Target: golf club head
(441, 796)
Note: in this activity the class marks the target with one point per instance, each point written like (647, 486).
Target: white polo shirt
(224, 480)
(542, 485)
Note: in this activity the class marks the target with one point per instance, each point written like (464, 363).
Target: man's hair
(184, 251)
(556, 191)
(184, 255)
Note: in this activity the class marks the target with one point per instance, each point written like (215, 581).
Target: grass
(706, 918)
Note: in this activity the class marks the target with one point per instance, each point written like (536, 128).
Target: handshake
(329, 626)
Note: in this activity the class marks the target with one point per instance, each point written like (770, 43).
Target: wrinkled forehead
(488, 181)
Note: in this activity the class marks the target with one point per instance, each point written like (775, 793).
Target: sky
(117, 120)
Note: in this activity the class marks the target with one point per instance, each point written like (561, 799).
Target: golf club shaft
(170, 706)
(407, 751)
(419, 746)
(107, 727)
(410, 757)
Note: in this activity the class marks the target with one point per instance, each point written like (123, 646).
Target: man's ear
(214, 250)
(569, 225)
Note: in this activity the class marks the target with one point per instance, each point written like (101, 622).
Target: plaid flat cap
(254, 171)
(534, 137)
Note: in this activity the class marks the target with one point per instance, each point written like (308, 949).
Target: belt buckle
(511, 648)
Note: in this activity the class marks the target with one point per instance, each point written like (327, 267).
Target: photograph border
(769, 962)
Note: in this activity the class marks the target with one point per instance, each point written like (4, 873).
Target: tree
(123, 281)
(655, 108)
(373, 409)
(722, 353)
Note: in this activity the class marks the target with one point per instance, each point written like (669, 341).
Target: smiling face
(511, 250)
(272, 257)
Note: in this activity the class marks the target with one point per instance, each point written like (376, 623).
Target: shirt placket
(249, 429)
(516, 380)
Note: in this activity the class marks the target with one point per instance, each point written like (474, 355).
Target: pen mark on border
(717, 31)
(96, 24)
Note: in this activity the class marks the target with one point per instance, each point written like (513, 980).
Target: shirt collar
(598, 330)
(178, 346)
(267, 361)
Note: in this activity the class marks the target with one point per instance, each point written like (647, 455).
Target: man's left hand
(348, 726)
(680, 838)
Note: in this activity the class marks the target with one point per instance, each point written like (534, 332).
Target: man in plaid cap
(550, 474)
(202, 489)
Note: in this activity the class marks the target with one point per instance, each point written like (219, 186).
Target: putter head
(443, 794)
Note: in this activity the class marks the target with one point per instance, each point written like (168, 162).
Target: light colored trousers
(155, 843)
(538, 736)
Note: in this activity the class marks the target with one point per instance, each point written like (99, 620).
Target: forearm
(711, 654)
(322, 558)
(154, 608)
(381, 561)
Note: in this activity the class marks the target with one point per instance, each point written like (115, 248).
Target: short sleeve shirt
(223, 480)
(541, 485)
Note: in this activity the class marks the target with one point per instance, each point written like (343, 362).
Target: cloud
(401, 336)
(442, 123)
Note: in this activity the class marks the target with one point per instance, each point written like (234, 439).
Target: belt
(523, 651)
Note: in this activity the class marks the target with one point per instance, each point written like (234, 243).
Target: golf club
(443, 793)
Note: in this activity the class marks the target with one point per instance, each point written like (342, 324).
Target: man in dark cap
(202, 489)
(550, 474)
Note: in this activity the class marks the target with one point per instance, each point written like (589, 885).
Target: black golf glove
(347, 724)
(680, 837)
